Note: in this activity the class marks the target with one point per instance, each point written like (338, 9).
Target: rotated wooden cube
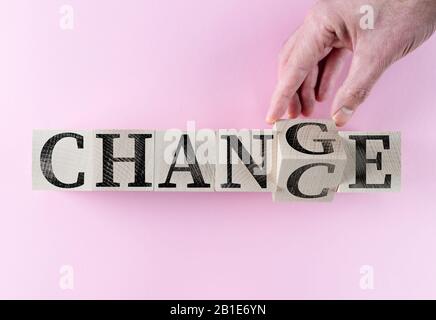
(310, 160)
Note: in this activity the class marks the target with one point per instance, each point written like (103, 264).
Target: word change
(297, 160)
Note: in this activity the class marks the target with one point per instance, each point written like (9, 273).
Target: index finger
(310, 47)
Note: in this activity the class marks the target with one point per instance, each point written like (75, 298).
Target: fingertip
(295, 107)
(269, 120)
(293, 112)
(272, 114)
(342, 116)
(339, 122)
(307, 112)
(292, 116)
(308, 105)
(276, 111)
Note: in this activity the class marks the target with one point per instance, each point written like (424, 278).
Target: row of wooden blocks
(306, 160)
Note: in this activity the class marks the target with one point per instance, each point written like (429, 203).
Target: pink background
(158, 64)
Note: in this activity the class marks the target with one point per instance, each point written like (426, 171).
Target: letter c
(46, 160)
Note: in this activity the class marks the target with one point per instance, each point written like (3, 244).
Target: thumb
(363, 74)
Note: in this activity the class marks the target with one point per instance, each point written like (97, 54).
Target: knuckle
(312, 17)
(358, 94)
(318, 11)
(286, 96)
(321, 4)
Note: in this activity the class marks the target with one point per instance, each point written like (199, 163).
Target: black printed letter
(109, 159)
(292, 139)
(361, 162)
(294, 179)
(46, 160)
(192, 167)
(234, 143)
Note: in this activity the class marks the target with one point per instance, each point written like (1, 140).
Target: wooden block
(245, 160)
(374, 162)
(310, 160)
(62, 160)
(185, 161)
(123, 160)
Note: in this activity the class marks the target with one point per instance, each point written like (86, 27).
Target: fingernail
(343, 115)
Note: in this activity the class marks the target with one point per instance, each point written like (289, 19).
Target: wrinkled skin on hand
(311, 60)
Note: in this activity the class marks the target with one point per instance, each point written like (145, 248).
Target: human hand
(311, 60)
